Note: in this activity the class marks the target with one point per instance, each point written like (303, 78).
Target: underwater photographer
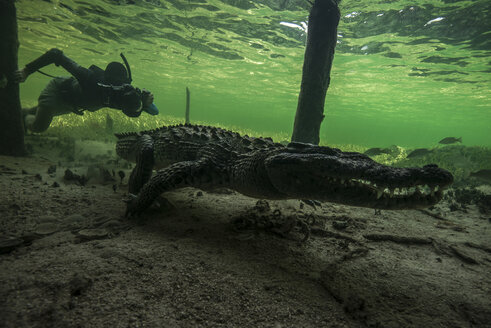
(87, 89)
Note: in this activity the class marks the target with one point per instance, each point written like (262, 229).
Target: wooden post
(319, 53)
(188, 95)
(11, 125)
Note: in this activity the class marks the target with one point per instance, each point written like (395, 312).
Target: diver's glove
(147, 103)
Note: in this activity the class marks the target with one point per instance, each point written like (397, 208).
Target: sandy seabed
(69, 257)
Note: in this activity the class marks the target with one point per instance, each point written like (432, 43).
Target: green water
(405, 72)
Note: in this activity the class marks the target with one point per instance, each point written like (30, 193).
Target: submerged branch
(398, 239)
(188, 96)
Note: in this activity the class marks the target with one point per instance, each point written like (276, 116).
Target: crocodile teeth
(379, 194)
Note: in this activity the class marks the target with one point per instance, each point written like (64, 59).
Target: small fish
(482, 174)
(377, 151)
(450, 140)
(419, 152)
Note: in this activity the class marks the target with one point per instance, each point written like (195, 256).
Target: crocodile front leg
(144, 165)
(199, 174)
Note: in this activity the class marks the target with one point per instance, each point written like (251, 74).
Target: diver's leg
(29, 111)
(40, 121)
(50, 104)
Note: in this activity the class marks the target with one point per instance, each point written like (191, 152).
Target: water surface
(405, 72)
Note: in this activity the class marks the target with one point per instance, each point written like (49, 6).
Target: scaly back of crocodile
(183, 142)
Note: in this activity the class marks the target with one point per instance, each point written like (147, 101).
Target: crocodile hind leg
(144, 165)
(178, 175)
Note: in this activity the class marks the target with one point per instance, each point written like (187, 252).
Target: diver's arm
(53, 56)
(130, 100)
(125, 97)
(130, 112)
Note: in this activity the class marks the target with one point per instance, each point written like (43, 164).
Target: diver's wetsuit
(84, 90)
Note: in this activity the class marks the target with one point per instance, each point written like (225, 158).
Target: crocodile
(207, 157)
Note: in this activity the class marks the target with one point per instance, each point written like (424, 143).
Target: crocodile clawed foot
(131, 211)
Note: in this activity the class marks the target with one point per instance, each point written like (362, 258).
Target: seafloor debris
(70, 176)
(262, 217)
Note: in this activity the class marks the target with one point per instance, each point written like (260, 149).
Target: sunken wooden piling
(319, 54)
(11, 125)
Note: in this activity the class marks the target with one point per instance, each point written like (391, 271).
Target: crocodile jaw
(357, 181)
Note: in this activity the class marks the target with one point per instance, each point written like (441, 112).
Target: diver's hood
(116, 73)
